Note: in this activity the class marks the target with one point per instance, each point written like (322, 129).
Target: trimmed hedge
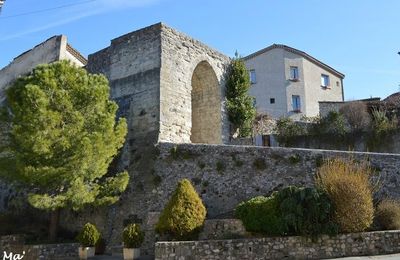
(89, 235)
(261, 214)
(132, 236)
(291, 211)
(184, 214)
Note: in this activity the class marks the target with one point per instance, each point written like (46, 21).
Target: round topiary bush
(184, 214)
(261, 214)
(89, 235)
(132, 236)
(388, 214)
(347, 184)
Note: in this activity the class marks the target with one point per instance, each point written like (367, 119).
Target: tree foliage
(184, 214)
(287, 129)
(241, 112)
(62, 137)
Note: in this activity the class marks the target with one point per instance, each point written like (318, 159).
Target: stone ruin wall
(192, 91)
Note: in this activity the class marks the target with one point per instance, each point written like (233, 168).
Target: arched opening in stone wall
(206, 106)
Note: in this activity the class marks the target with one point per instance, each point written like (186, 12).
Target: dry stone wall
(356, 244)
(223, 175)
(226, 175)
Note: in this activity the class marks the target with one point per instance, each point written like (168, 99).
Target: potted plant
(88, 238)
(133, 238)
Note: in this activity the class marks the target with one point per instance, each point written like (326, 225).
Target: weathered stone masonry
(223, 175)
(356, 244)
(169, 87)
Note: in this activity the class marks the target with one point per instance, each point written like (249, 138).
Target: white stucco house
(289, 82)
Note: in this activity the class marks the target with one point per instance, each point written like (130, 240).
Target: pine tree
(241, 112)
(62, 137)
(184, 214)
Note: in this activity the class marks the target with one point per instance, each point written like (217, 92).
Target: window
(337, 84)
(252, 76)
(296, 103)
(324, 80)
(272, 100)
(294, 73)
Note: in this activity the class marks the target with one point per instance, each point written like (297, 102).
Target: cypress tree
(241, 112)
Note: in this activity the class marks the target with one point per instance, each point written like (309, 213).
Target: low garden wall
(362, 142)
(13, 245)
(356, 244)
(222, 229)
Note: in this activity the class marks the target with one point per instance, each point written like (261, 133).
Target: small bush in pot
(133, 237)
(88, 238)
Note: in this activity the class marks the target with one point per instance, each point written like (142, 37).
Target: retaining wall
(356, 244)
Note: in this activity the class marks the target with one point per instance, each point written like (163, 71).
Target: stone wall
(166, 85)
(53, 49)
(15, 244)
(132, 65)
(67, 251)
(223, 176)
(227, 175)
(222, 229)
(192, 91)
(362, 142)
(356, 244)
(325, 107)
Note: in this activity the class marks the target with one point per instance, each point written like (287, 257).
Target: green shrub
(261, 214)
(89, 235)
(347, 184)
(306, 211)
(334, 123)
(184, 214)
(287, 129)
(239, 103)
(381, 124)
(132, 236)
(388, 214)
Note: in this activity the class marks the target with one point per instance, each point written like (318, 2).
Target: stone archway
(206, 106)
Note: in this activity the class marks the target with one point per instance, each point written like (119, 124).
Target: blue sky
(359, 38)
